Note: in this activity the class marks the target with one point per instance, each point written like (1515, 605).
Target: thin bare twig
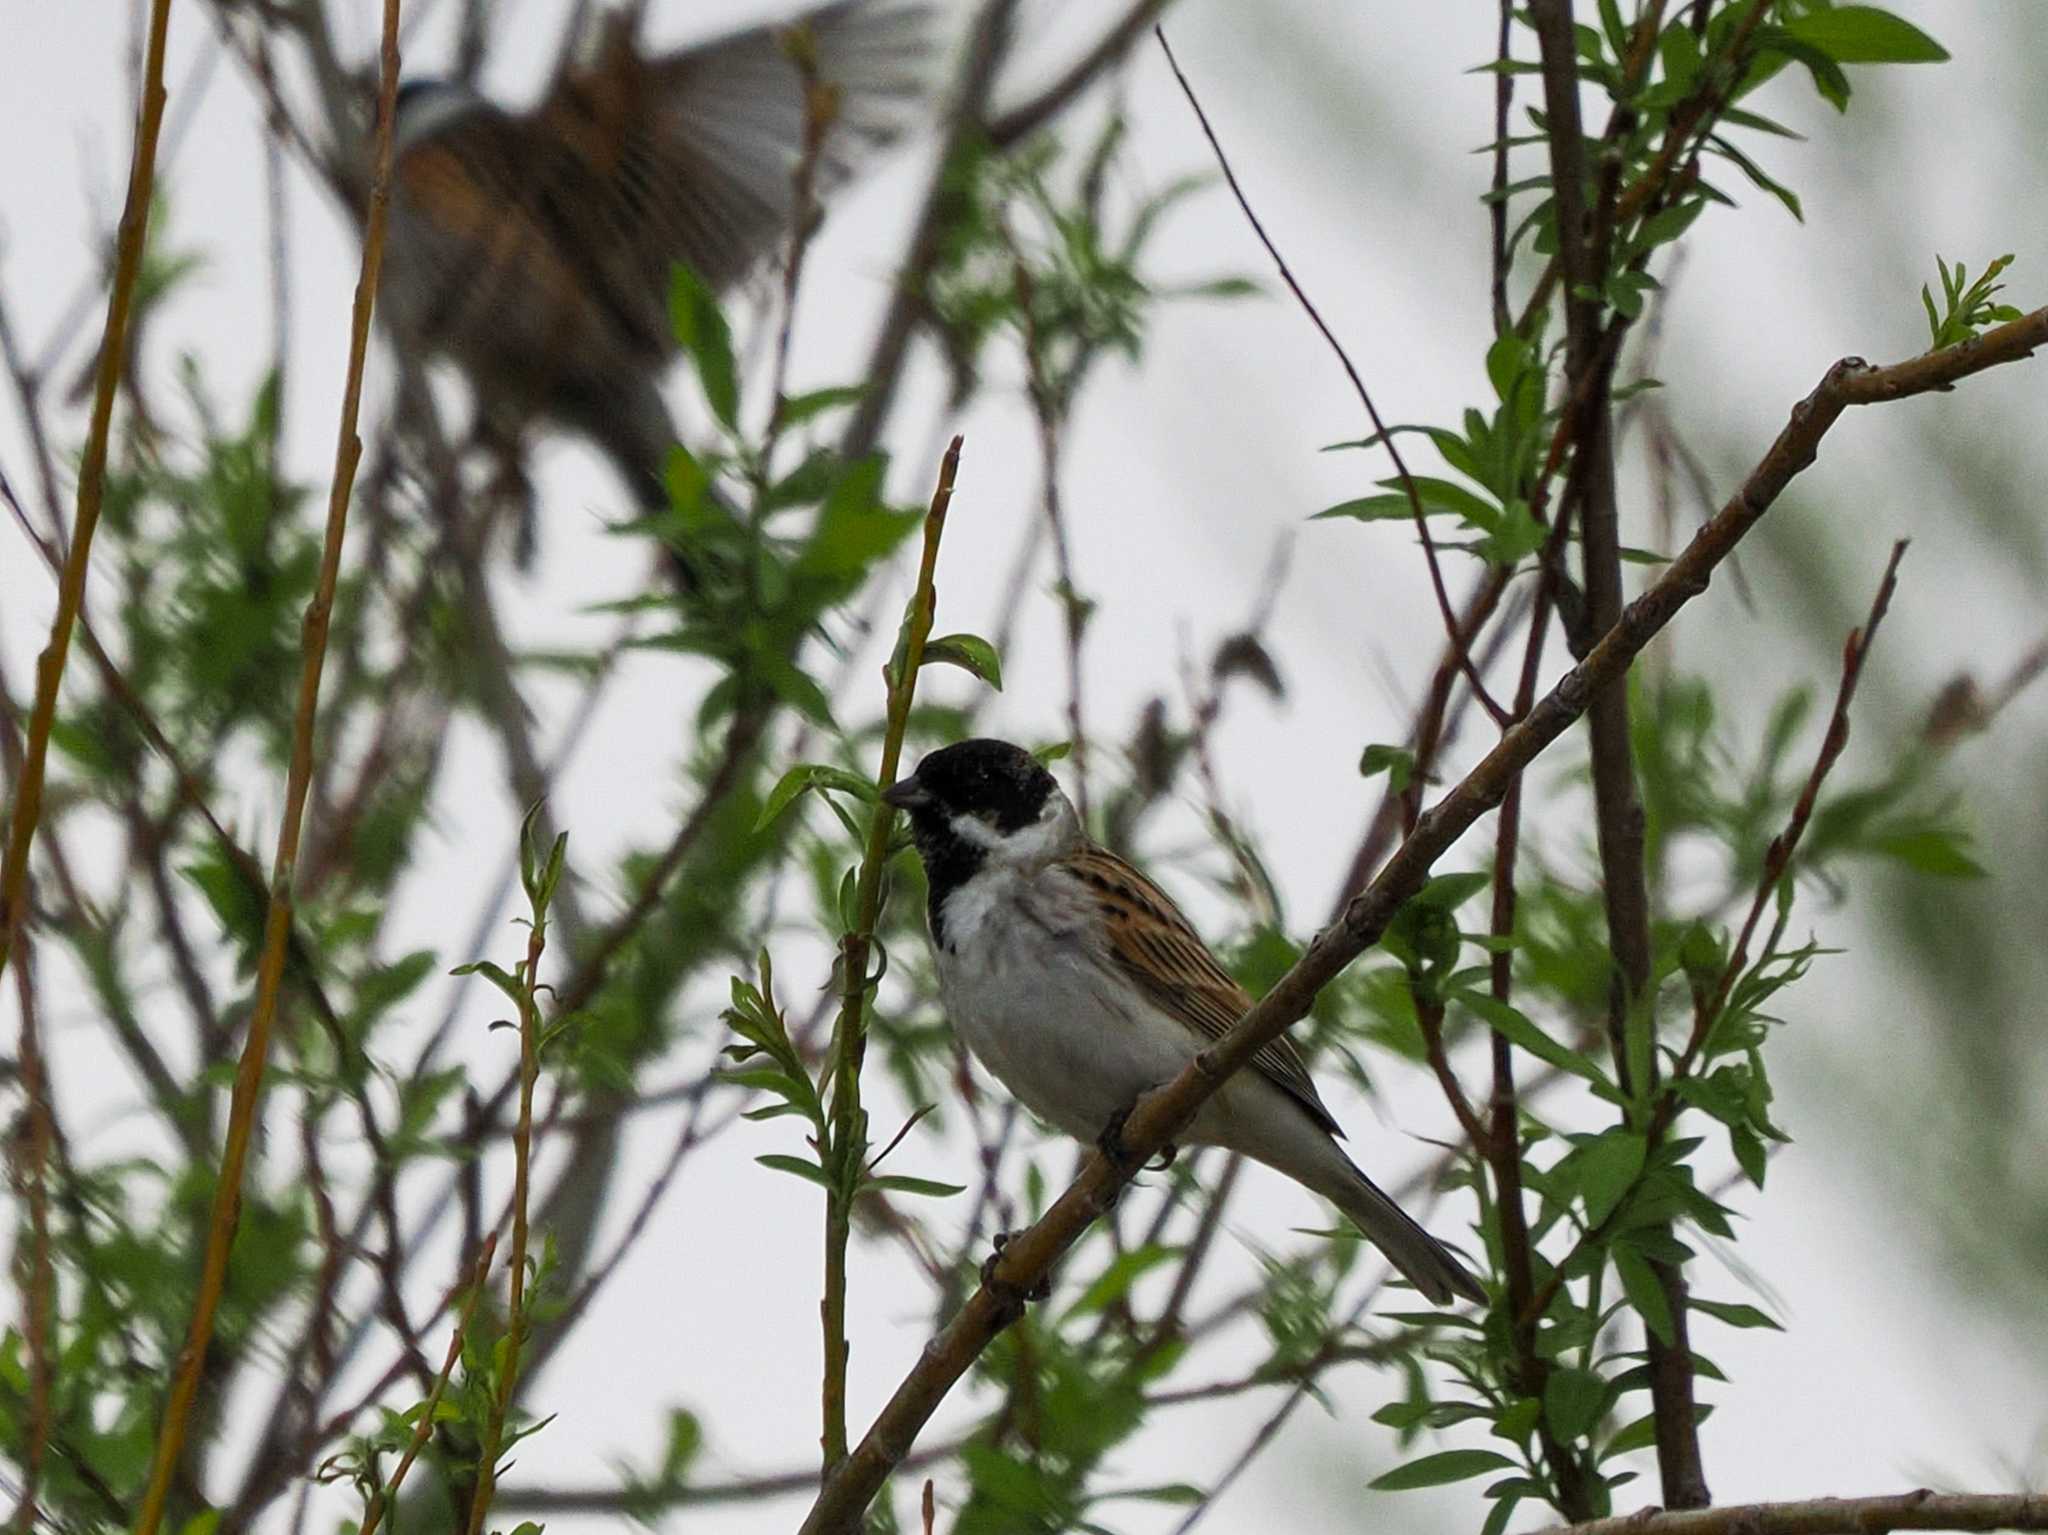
(1778, 859)
(1618, 810)
(1379, 427)
(1497, 203)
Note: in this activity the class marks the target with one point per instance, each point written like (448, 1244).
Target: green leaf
(1608, 1168)
(926, 1188)
(1749, 1152)
(1115, 1281)
(1680, 51)
(1863, 34)
(1934, 852)
(700, 327)
(1573, 1400)
(1443, 495)
(1370, 509)
(1520, 1031)
(496, 975)
(1758, 177)
(1435, 1470)
(969, 652)
(811, 775)
(1735, 1314)
(1639, 1435)
(685, 1439)
(1639, 1284)
(1497, 1520)
(1397, 762)
(1403, 1415)
(1447, 892)
(1184, 1494)
(1519, 1419)
(1506, 361)
(1663, 228)
(1828, 78)
(799, 408)
(810, 1172)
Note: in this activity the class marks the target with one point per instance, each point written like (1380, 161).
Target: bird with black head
(1079, 984)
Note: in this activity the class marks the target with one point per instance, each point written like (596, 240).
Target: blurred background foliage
(1084, 275)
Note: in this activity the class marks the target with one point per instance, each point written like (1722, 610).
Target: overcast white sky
(1352, 126)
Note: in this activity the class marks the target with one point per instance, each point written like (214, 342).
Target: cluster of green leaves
(1966, 307)
(1609, 1201)
(767, 569)
(1031, 250)
(1496, 454)
(1674, 103)
(768, 1061)
(1615, 1189)
(459, 1417)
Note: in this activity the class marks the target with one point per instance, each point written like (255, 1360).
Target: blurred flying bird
(535, 249)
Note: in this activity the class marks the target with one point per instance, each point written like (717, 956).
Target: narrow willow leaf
(1435, 1470)
(969, 652)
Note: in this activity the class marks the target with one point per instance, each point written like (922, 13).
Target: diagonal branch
(1921, 1510)
(1161, 1114)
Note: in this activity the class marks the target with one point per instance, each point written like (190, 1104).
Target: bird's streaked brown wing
(691, 156)
(1157, 948)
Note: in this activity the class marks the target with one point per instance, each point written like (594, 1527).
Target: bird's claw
(1111, 1144)
(1039, 1290)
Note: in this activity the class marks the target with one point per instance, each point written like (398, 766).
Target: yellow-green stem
(387, 1498)
(92, 479)
(850, 1033)
(522, 1160)
(277, 925)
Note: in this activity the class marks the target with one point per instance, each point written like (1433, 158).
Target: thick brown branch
(1922, 1510)
(1618, 810)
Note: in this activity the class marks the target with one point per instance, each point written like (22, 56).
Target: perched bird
(535, 249)
(1079, 984)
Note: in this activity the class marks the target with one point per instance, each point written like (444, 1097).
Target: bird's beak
(907, 794)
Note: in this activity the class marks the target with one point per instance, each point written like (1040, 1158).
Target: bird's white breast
(1030, 987)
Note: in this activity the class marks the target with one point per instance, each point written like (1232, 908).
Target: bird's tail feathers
(1424, 1261)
